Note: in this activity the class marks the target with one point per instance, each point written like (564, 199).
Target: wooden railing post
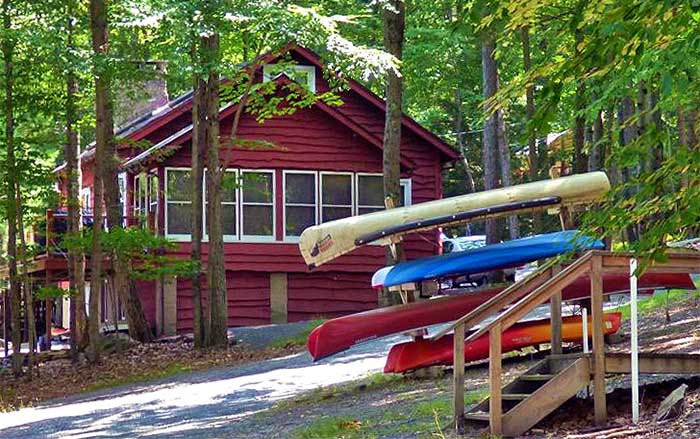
(555, 314)
(599, 400)
(495, 402)
(458, 378)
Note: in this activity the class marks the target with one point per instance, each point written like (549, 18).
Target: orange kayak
(423, 353)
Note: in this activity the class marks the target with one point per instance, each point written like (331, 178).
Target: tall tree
(394, 18)
(8, 46)
(199, 142)
(98, 28)
(216, 270)
(490, 150)
(76, 258)
(109, 168)
(532, 156)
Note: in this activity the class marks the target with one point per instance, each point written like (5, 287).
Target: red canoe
(423, 353)
(338, 334)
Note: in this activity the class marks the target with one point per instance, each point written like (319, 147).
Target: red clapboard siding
(328, 294)
(146, 290)
(248, 299)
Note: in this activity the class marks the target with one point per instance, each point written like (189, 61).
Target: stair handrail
(538, 296)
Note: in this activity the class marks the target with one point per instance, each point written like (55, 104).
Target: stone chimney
(143, 95)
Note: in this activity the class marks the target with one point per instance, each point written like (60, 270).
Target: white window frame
(285, 237)
(141, 209)
(152, 201)
(180, 237)
(121, 178)
(242, 204)
(320, 192)
(86, 200)
(205, 229)
(404, 182)
(309, 70)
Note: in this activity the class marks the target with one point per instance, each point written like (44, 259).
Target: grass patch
(320, 394)
(335, 427)
(649, 304)
(299, 339)
(151, 375)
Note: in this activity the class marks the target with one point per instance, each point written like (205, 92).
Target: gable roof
(140, 127)
(176, 140)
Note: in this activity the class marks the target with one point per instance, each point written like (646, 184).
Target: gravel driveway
(203, 404)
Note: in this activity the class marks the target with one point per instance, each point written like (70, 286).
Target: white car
(464, 243)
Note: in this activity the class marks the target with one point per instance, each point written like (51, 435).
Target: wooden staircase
(536, 393)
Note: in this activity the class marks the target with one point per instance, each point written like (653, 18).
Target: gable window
(336, 195)
(300, 202)
(304, 75)
(178, 204)
(257, 205)
(370, 193)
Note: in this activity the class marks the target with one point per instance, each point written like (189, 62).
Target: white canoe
(324, 242)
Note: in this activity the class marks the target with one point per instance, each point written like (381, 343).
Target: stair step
(514, 396)
(537, 377)
(477, 416)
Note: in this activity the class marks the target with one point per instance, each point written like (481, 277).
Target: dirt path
(204, 404)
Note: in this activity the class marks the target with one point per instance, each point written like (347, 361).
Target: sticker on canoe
(322, 245)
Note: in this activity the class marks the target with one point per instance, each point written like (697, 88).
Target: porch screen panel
(336, 196)
(229, 196)
(257, 204)
(299, 202)
(178, 214)
(370, 193)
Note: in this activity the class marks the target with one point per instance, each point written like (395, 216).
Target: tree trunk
(458, 126)
(533, 157)
(394, 15)
(595, 158)
(504, 158)
(26, 288)
(76, 258)
(98, 22)
(199, 137)
(216, 270)
(138, 326)
(11, 170)
(490, 135)
(580, 162)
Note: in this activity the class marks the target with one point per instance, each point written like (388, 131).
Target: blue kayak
(491, 257)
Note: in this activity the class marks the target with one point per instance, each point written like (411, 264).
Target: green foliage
(143, 251)
(50, 292)
(649, 304)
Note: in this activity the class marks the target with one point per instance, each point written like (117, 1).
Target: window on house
(122, 195)
(300, 200)
(258, 213)
(229, 196)
(86, 200)
(370, 193)
(178, 213)
(140, 199)
(305, 75)
(153, 200)
(336, 196)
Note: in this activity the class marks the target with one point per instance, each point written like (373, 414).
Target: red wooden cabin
(327, 164)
